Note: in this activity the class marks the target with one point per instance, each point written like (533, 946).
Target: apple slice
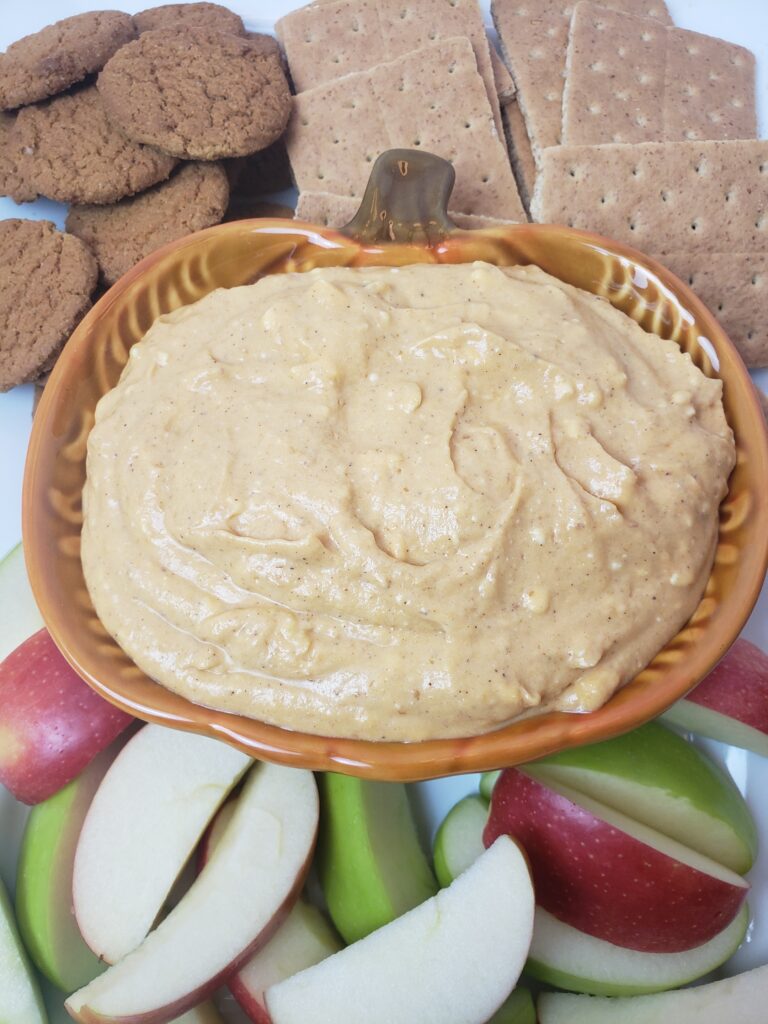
(204, 1013)
(567, 958)
(53, 724)
(518, 1008)
(305, 938)
(20, 1000)
(44, 880)
(731, 703)
(487, 782)
(662, 781)
(302, 941)
(610, 876)
(459, 840)
(452, 960)
(741, 999)
(371, 866)
(235, 904)
(145, 821)
(19, 614)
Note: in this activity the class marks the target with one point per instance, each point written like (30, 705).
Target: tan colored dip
(402, 504)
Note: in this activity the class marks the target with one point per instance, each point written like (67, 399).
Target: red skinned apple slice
(609, 876)
(567, 958)
(236, 903)
(740, 999)
(145, 821)
(304, 939)
(731, 703)
(454, 959)
(52, 725)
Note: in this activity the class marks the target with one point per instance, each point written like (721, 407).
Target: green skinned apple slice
(19, 614)
(487, 782)
(517, 1009)
(459, 840)
(452, 960)
(740, 999)
(44, 880)
(567, 958)
(665, 783)
(371, 866)
(20, 1000)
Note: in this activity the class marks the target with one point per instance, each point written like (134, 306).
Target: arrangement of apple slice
(53, 724)
(740, 999)
(609, 876)
(459, 840)
(452, 960)
(242, 895)
(44, 880)
(143, 824)
(731, 703)
(302, 940)
(371, 866)
(664, 782)
(19, 614)
(20, 999)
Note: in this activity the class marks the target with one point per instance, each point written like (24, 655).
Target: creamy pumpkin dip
(402, 504)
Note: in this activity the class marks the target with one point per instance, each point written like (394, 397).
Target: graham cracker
(734, 285)
(709, 89)
(433, 99)
(520, 152)
(661, 196)
(326, 40)
(336, 211)
(630, 79)
(505, 84)
(533, 35)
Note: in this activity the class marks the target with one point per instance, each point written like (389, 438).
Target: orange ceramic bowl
(239, 253)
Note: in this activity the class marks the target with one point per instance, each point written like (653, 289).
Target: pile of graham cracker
(612, 120)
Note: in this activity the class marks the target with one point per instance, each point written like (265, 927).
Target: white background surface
(739, 21)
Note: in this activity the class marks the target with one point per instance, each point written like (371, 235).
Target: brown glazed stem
(406, 200)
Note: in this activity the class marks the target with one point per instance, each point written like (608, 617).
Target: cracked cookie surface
(201, 15)
(46, 281)
(197, 94)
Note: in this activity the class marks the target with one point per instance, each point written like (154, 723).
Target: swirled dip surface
(402, 503)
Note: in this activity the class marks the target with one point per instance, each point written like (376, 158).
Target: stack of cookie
(130, 120)
(644, 132)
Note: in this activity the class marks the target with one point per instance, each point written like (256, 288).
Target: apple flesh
(567, 958)
(243, 894)
(371, 866)
(665, 783)
(19, 614)
(305, 939)
(609, 876)
(143, 824)
(741, 999)
(731, 703)
(459, 840)
(44, 880)
(53, 724)
(452, 960)
(20, 1000)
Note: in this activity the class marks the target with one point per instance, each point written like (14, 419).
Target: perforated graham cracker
(630, 79)
(735, 287)
(335, 211)
(661, 196)
(534, 35)
(433, 99)
(326, 40)
(709, 89)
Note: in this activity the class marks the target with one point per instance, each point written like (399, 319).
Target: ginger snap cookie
(46, 281)
(68, 150)
(201, 15)
(194, 197)
(50, 61)
(196, 93)
(11, 181)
